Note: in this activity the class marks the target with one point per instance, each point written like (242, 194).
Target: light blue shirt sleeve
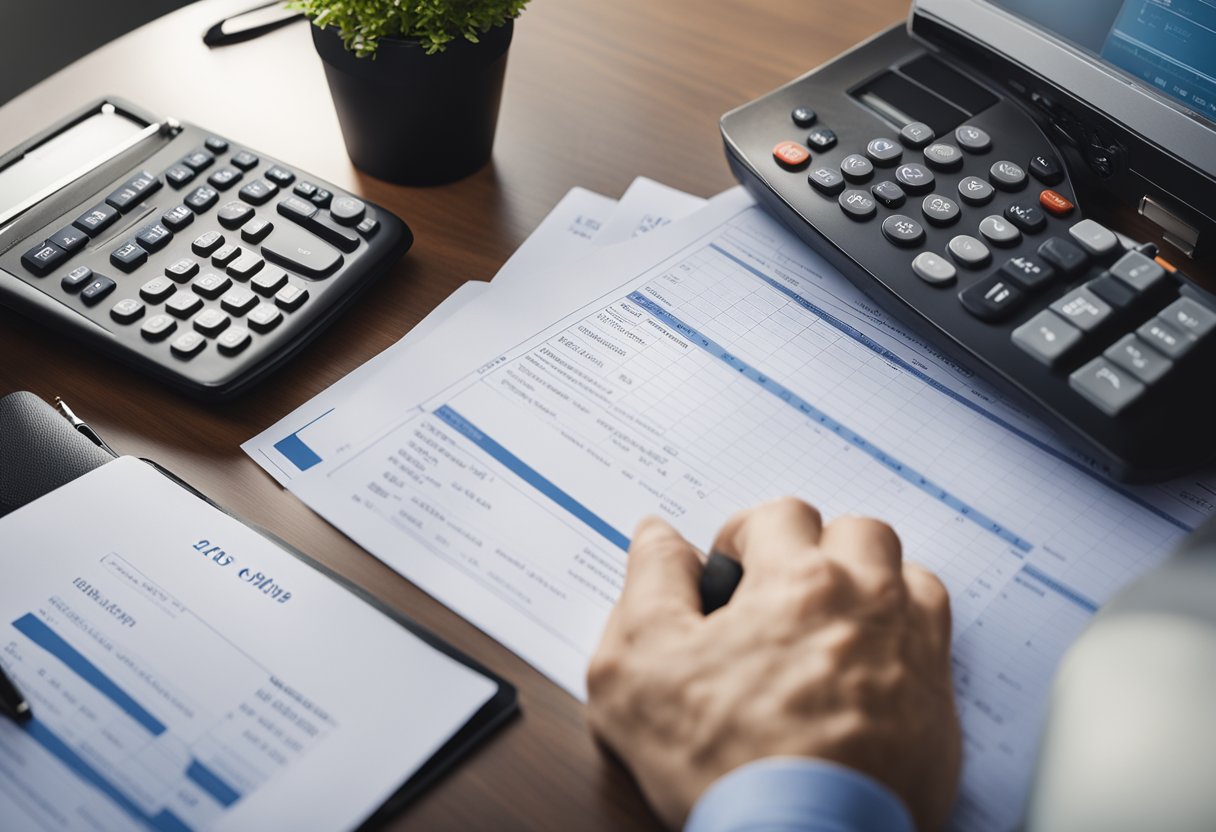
(798, 794)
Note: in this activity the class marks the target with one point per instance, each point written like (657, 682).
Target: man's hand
(831, 647)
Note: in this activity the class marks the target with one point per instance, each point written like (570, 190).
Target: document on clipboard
(186, 672)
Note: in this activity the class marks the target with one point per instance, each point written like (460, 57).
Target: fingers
(765, 538)
(929, 595)
(869, 549)
(660, 577)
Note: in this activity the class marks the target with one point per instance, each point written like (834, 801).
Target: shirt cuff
(797, 794)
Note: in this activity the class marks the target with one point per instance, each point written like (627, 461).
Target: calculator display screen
(67, 152)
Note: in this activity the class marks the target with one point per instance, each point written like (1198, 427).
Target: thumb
(661, 577)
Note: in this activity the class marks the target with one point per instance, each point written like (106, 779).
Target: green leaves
(361, 23)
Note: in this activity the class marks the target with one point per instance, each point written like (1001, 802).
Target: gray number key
(1094, 238)
(1138, 271)
(1138, 358)
(1190, 317)
(1165, 337)
(1047, 337)
(1082, 308)
(1109, 388)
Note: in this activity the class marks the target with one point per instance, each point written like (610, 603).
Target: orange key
(1055, 203)
(791, 155)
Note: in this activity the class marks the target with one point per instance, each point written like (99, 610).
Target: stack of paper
(689, 372)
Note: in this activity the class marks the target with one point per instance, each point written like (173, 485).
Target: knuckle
(603, 672)
(793, 507)
(874, 533)
(930, 587)
(650, 532)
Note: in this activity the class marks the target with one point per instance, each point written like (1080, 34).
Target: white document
(645, 206)
(566, 233)
(720, 363)
(186, 673)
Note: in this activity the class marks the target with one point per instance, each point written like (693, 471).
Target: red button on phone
(791, 155)
(1055, 203)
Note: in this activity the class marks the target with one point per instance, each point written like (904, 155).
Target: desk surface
(596, 93)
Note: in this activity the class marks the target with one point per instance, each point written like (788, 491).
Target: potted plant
(416, 83)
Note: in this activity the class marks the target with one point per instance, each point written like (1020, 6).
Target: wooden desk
(597, 92)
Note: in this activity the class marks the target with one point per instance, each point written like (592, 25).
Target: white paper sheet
(718, 363)
(645, 206)
(186, 673)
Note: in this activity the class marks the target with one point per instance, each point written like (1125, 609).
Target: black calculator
(944, 200)
(180, 252)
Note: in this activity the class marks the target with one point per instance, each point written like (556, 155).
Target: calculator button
(300, 251)
(1138, 358)
(856, 167)
(211, 285)
(1190, 317)
(304, 189)
(939, 210)
(198, 160)
(1107, 386)
(215, 144)
(1028, 271)
(264, 318)
(202, 198)
(158, 327)
(825, 180)
(157, 289)
(175, 219)
(884, 151)
(1047, 337)
(1046, 169)
(188, 345)
(256, 230)
(803, 116)
(999, 231)
(1094, 238)
(131, 192)
(268, 281)
(246, 266)
(321, 198)
(291, 297)
(234, 340)
(329, 231)
(902, 230)
(206, 243)
(1055, 203)
(993, 299)
(1026, 216)
(234, 214)
(1166, 338)
(368, 227)
(96, 220)
(858, 204)
(154, 237)
(183, 305)
(1138, 271)
(127, 310)
(226, 254)
(211, 322)
(821, 139)
(943, 156)
(179, 176)
(968, 251)
(934, 269)
(239, 300)
(888, 193)
(181, 270)
(972, 139)
(1115, 292)
(974, 191)
(43, 257)
(245, 160)
(347, 210)
(1062, 254)
(224, 178)
(76, 278)
(70, 239)
(128, 257)
(915, 179)
(297, 209)
(1007, 176)
(791, 155)
(280, 176)
(1082, 308)
(97, 289)
(258, 192)
(917, 134)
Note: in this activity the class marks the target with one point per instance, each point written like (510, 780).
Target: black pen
(11, 700)
(81, 426)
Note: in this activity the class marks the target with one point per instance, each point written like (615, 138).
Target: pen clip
(228, 32)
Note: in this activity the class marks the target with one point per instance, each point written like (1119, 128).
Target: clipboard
(40, 451)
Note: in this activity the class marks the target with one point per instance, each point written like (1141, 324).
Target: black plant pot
(413, 118)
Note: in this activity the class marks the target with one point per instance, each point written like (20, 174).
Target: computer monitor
(1130, 84)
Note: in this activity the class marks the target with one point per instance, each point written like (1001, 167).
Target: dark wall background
(40, 37)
